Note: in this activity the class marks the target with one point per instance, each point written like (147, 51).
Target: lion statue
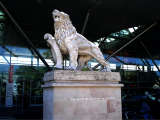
(67, 41)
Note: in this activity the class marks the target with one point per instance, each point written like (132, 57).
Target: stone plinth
(79, 95)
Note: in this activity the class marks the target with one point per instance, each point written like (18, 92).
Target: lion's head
(62, 25)
(60, 16)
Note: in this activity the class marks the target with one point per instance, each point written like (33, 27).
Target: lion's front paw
(106, 69)
(70, 68)
(58, 67)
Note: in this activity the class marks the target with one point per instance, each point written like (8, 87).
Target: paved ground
(32, 113)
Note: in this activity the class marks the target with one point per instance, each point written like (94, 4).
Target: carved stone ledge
(67, 75)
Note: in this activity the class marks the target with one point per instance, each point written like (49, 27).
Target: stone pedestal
(79, 95)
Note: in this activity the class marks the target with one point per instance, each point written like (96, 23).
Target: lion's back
(81, 40)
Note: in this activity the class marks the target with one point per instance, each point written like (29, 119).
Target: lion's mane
(64, 28)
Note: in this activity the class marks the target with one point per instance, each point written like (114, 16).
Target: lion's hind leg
(82, 61)
(97, 54)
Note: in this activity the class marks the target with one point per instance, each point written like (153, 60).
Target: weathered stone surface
(67, 75)
(67, 41)
(82, 96)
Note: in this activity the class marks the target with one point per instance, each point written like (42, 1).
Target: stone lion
(67, 40)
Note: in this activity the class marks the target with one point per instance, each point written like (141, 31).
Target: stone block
(79, 95)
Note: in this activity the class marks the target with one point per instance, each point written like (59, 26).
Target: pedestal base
(82, 96)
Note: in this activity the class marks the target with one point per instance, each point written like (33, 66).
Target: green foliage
(32, 78)
(47, 54)
(31, 73)
(85, 69)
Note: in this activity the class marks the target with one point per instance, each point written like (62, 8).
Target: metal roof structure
(96, 19)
